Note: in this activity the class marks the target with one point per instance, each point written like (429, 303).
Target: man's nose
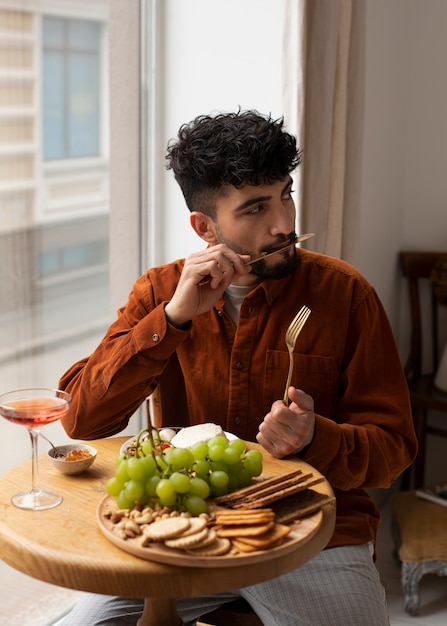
(283, 222)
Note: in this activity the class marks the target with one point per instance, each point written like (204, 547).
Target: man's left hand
(288, 429)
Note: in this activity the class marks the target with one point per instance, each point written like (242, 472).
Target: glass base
(36, 500)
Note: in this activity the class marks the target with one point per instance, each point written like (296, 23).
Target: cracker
(244, 531)
(229, 512)
(269, 539)
(303, 504)
(260, 484)
(195, 524)
(263, 499)
(187, 541)
(243, 547)
(247, 517)
(166, 528)
(208, 540)
(220, 546)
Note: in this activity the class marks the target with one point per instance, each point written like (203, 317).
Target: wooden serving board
(302, 531)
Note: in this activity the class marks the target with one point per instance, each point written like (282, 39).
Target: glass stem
(34, 434)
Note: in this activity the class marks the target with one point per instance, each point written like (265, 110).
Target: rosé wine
(34, 412)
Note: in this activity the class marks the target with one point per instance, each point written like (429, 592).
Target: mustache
(282, 242)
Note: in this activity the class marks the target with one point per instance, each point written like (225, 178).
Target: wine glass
(33, 408)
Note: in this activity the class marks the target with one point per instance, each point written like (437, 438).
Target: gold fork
(292, 333)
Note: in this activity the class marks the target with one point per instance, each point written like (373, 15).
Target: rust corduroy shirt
(345, 358)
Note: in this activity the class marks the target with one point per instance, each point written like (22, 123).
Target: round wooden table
(64, 546)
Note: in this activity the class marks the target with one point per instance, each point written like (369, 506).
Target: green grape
(244, 478)
(135, 468)
(233, 482)
(121, 473)
(237, 444)
(134, 490)
(149, 464)
(167, 455)
(180, 481)
(199, 487)
(253, 466)
(216, 492)
(180, 458)
(123, 502)
(146, 447)
(119, 459)
(170, 501)
(236, 468)
(218, 440)
(218, 479)
(216, 452)
(151, 485)
(161, 462)
(195, 505)
(219, 466)
(113, 487)
(254, 454)
(165, 489)
(231, 456)
(199, 450)
(201, 468)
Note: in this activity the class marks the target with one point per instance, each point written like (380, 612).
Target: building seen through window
(54, 180)
(70, 88)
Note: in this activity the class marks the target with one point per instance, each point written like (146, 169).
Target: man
(205, 336)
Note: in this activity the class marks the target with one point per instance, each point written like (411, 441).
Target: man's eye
(256, 209)
(288, 194)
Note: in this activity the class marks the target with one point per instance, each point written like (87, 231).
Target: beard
(264, 270)
(267, 269)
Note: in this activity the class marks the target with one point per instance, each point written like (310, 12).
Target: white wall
(404, 183)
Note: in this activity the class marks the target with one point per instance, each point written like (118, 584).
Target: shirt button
(239, 365)
(155, 337)
(237, 420)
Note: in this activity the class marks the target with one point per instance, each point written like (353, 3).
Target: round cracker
(186, 541)
(208, 540)
(219, 547)
(195, 525)
(166, 528)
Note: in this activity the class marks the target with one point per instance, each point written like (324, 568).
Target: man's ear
(204, 227)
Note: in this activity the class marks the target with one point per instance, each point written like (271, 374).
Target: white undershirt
(234, 296)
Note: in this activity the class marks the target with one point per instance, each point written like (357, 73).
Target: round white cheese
(187, 437)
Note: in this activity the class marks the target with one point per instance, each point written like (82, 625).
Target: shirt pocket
(316, 375)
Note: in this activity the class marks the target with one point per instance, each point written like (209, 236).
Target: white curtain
(323, 104)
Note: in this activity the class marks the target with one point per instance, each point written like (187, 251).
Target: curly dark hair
(229, 149)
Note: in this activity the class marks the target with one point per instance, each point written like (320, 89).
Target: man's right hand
(218, 265)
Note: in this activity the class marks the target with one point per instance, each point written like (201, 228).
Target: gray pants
(338, 587)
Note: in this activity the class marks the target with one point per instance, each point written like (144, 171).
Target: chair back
(417, 267)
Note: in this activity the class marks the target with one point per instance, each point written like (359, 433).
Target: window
(70, 88)
(54, 198)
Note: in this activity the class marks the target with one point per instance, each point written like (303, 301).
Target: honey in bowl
(78, 455)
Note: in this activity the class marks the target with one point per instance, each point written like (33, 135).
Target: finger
(301, 399)
(268, 445)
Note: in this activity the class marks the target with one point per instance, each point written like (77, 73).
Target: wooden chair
(419, 526)
(236, 613)
(420, 539)
(417, 267)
